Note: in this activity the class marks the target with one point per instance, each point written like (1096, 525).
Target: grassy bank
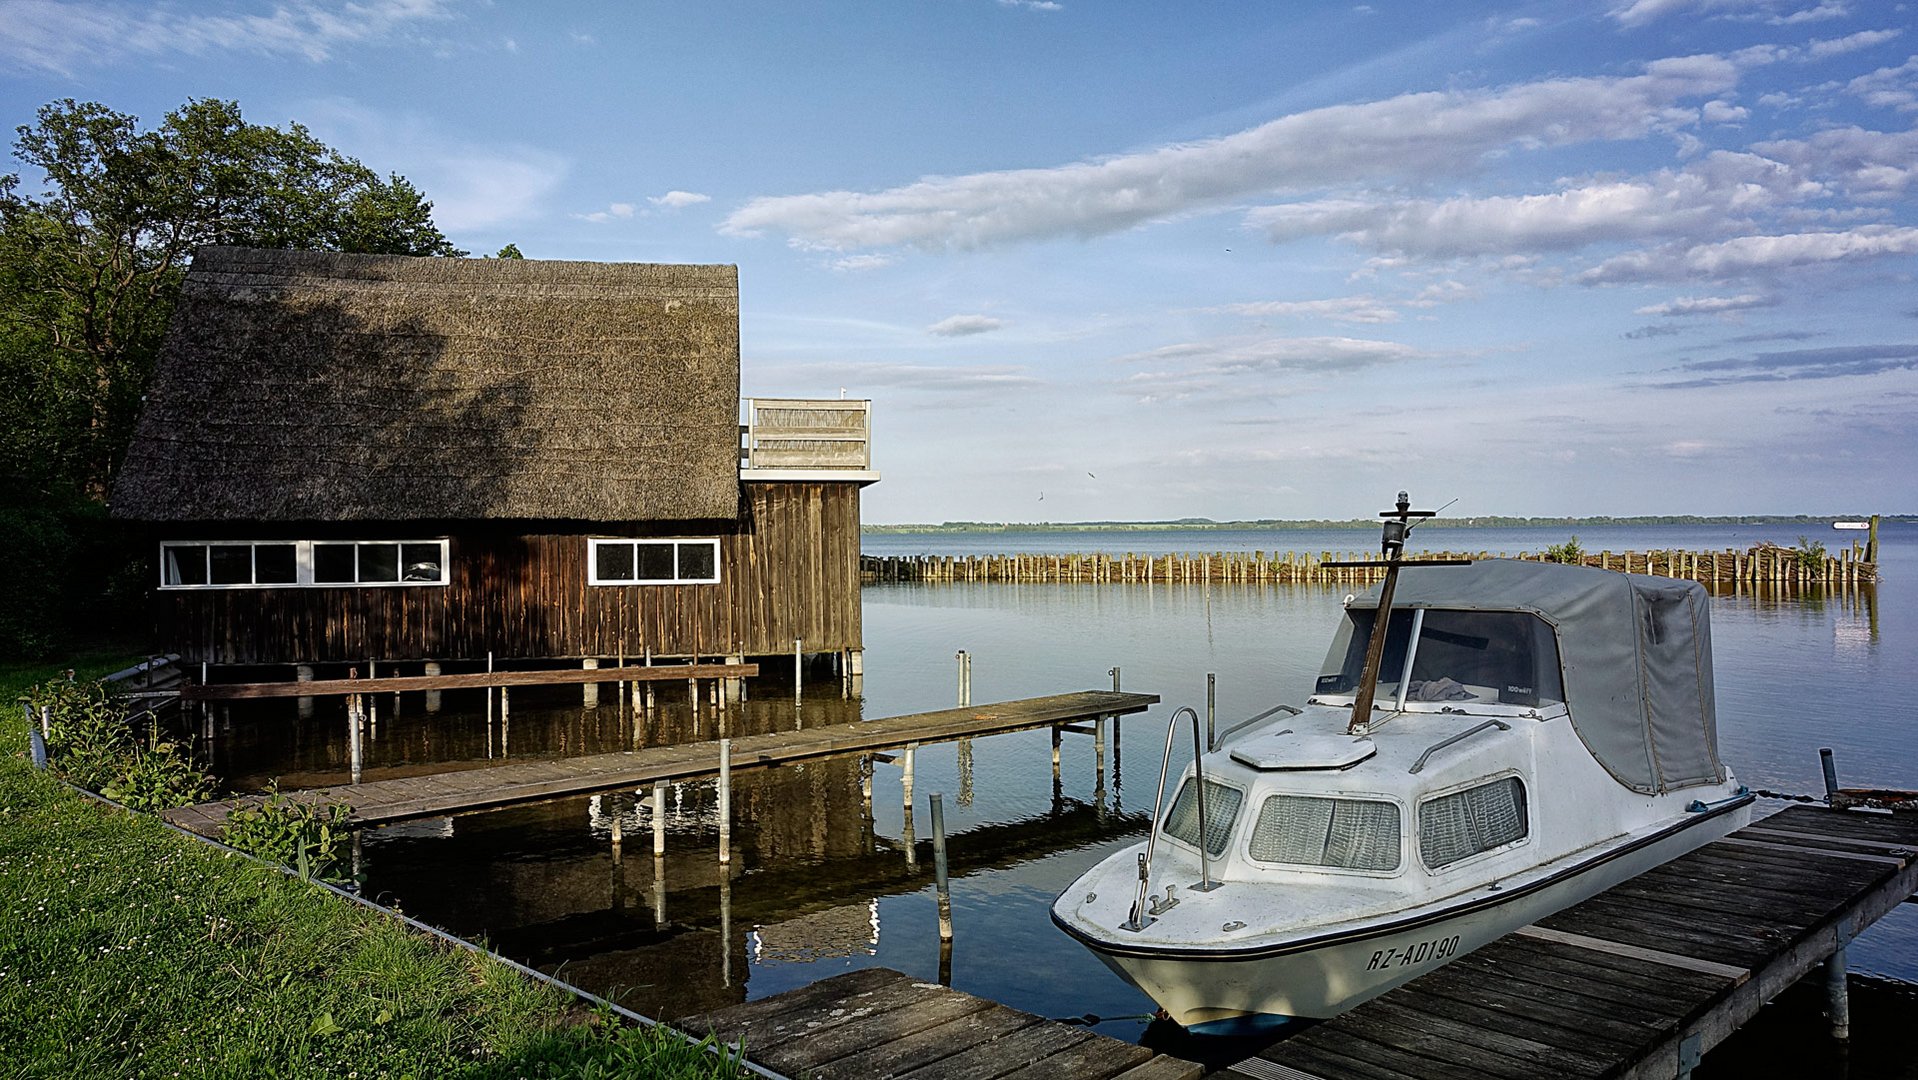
(129, 950)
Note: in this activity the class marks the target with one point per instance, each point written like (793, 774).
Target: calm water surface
(821, 882)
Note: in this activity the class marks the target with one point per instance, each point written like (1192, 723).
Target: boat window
(1221, 808)
(1506, 656)
(1351, 834)
(1464, 823)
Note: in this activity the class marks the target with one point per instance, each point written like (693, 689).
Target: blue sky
(1110, 260)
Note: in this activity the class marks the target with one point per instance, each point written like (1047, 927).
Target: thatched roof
(310, 386)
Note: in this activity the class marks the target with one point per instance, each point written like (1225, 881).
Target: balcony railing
(799, 433)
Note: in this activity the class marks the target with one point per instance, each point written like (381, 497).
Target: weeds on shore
(309, 837)
(1567, 552)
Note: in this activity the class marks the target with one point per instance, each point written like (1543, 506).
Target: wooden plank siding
(789, 569)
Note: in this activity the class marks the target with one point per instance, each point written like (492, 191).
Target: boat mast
(1398, 525)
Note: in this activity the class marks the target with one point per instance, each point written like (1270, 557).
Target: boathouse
(346, 458)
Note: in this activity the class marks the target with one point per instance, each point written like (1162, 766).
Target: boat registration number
(1405, 956)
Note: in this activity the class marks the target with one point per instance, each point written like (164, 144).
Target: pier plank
(1610, 987)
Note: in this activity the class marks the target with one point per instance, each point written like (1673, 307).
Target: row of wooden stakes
(1757, 566)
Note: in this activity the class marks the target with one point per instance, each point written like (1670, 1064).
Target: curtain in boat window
(1464, 823)
(1352, 834)
(1221, 807)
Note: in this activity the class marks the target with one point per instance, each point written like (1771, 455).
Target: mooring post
(1055, 755)
(1837, 999)
(489, 706)
(353, 735)
(940, 886)
(1831, 772)
(965, 678)
(725, 801)
(905, 789)
(304, 673)
(432, 696)
(1117, 731)
(589, 692)
(659, 819)
(651, 702)
(505, 723)
(799, 669)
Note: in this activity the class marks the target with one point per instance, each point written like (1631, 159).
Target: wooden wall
(791, 570)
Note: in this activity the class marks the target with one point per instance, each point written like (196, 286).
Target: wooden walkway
(468, 681)
(532, 781)
(1639, 981)
(877, 1022)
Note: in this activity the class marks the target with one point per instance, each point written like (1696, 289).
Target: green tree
(93, 261)
(510, 251)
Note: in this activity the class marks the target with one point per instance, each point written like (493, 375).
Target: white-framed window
(675, 561)
(1461, 824)
(268, 564)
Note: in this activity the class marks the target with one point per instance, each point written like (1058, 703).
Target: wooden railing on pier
(1759, 566)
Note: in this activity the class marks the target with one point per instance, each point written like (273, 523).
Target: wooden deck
(877, 1022)
(532, 781)
(468, 681)
(1639, 981)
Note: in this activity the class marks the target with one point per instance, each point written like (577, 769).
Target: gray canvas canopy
(1636, 653)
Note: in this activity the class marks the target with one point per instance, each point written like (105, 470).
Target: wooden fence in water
(1759, 566)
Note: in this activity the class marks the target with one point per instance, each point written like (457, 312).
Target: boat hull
(1325, 977)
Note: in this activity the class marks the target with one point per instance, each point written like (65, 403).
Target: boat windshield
(1503, 656)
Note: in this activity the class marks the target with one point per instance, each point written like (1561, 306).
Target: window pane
(421, 562)
(613, 562)
(1355, 834)
(185, 564)
(379, 562)
(276, 564)
(696, 562)
(655, 561)
(232, 564)
(333, 564)
(1221, 806)
(1464, 823)
(1506, 656)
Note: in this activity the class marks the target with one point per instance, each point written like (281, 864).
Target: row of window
(1356, 834)
(296, 563)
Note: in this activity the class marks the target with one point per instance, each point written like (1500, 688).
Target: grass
(129, 950)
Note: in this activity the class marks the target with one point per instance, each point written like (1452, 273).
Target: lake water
(821, 883)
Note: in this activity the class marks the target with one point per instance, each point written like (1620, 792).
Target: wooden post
(940, 886)
(432, 696)
(589, 692)
(505, 722)
(304, 673)
(659, 819)
(1871, 541)
(1837, 999)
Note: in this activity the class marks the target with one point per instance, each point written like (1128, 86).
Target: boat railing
(1419, 765)
(1219, 739)
(1141, 915)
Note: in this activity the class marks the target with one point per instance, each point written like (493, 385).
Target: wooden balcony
(801, 438)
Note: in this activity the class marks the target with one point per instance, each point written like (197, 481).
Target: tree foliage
(91, 259)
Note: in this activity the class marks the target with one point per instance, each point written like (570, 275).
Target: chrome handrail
(1290, 710)
(1140, 918)
(1419, 765)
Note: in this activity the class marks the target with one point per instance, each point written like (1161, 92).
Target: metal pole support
(1831, 772)
(1837, 998)
(725, 801)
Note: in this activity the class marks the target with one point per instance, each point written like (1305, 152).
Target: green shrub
(157, 778)
(1567, 552)
(1810, 553)
(91, 743)
(309, 837)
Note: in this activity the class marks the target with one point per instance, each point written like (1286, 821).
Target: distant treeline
(1280, 525)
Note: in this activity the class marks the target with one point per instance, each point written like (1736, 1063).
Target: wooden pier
(1757, 567)
(1637, 982)
(878, 1022)
(386, 801)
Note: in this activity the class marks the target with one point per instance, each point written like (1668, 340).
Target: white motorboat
(1514, 738)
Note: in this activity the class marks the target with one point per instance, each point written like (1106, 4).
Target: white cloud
(1889, 87)
(472, 185)
(1415, 135)
(1753, 254)
(1352, 309)
(1820, 49)
(1722, 112)
(856, 263)
(1274, 366)
(1636, 13)
(1033, 5)
(964, 325)
(1861, 164)
(930, 378)
(677, 200)
(51, 35)
(1708, 305)
(619, 211)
